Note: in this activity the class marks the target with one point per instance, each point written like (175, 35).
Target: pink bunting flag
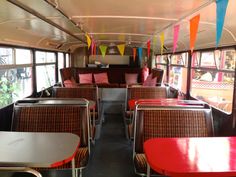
(176, 36)
(148, 48)
(134, 53)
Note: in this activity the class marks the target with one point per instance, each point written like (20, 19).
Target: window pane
(67, 60)
(23, 56)
(178, 78)
(180, 59)
(45, 57)
(15, 84)
(162, 59)
(45, 76)
(60, 64)
(228, 59)
(6, 56)
(196, 59)
(208, 60)
(214, 87)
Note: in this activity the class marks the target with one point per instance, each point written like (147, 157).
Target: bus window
(60, 64)
(6, 56)
(213, 82)
(178, 72)
(161, 63)
(45, 69)
(67, 60)
(15, 75)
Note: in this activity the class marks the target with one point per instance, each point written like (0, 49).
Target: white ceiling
(109, 21)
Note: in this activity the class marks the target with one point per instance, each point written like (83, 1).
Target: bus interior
(46, 44)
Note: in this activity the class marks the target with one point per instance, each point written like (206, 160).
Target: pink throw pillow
(70, 82)
(101, 78)
(150, 81)
(131, 78)
(86, 78)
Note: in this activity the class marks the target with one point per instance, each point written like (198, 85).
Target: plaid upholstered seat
(140, 93)
(36, 116)
(89, 93)
(160, 121)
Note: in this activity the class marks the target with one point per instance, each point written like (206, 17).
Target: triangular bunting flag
(193, 30)
(88, 40)
(121, 49)
(148, 48)
(134, 53)
(176, 35)
(221, 6)
(140, 53)
(103, 50)
(162, 39)
(92, 47)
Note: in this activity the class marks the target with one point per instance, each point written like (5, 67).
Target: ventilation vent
(52, 44)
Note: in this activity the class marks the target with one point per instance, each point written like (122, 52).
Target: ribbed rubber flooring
(112, 153)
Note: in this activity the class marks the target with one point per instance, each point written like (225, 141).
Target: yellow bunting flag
(134, 53)
(103, 50)
(88, 40)
(162, 39)
(121, 49)
(193, 30)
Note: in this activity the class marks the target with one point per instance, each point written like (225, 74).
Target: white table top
(25, 149)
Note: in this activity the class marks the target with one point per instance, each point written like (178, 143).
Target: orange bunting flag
(88, 40)
(193, 30)
(162, 39)
(121, 49)
(148, 48)
(134, 53)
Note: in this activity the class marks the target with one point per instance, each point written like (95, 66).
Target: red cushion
(101, 78)
(131, 78)
(150, 81)
(70, 82)
(86, 78)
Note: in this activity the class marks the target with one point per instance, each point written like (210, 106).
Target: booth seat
(107, 77)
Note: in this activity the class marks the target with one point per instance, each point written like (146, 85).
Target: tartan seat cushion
(70, 119)
(177, 122)
(140, 164)
(81, 158)
(146, 92)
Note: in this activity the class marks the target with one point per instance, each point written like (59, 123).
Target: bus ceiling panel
(137, 17)
(48, 11)
(11, 13)
(20, 34)
(35, 28)
(134, 8)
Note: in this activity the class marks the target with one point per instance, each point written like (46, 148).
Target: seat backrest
(175, 121)
(39, 115)
(145, 92)
(89, 93)
(159, 73)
